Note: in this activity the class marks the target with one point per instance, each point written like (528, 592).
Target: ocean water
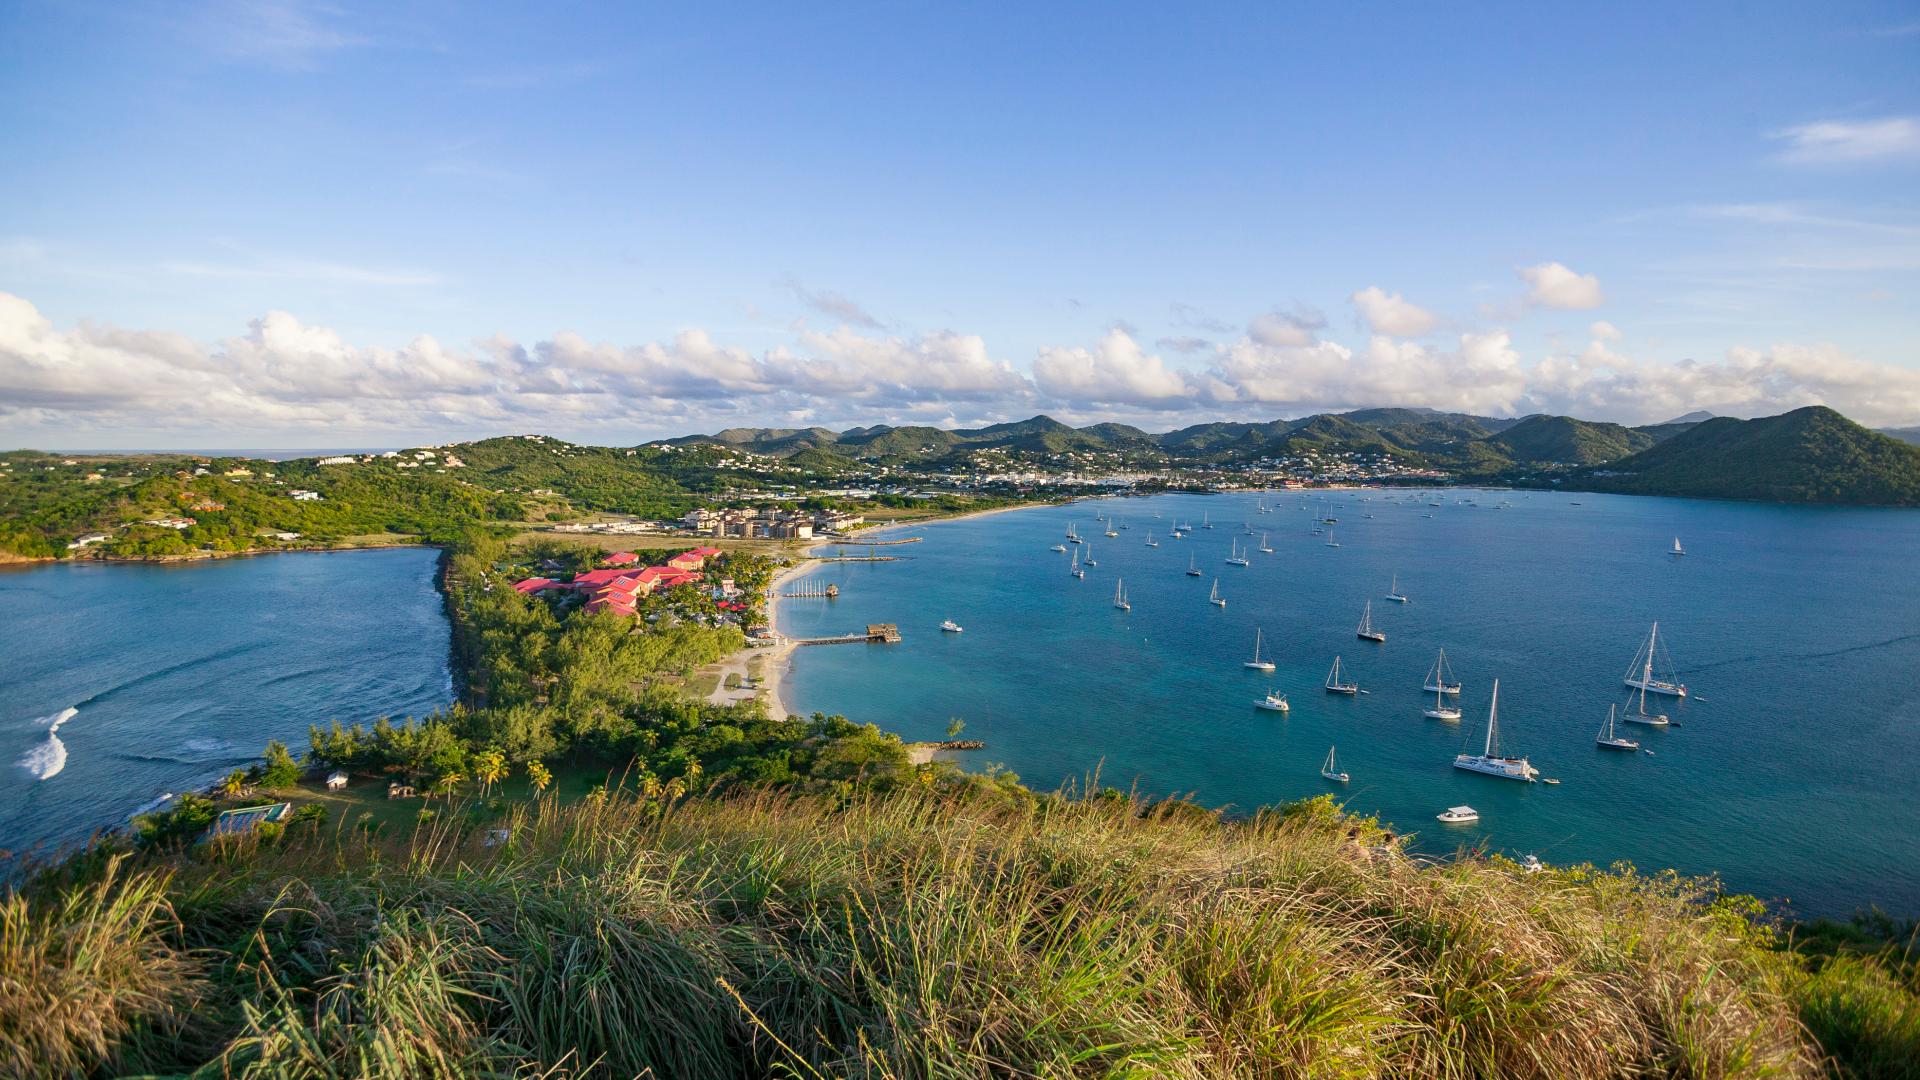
(1793, 770)
(123, 683)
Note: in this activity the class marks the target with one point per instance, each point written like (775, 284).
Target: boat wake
(46, 760)
(1868, 647)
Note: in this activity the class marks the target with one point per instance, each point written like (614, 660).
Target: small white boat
(1441, 710)
(951, 627)
(1074, 567)
(1061, 548)
(1640, 674)
(1335, 686)
(1151, 542)
(1192, 570)
(1455, 815)
(1272, 702)
(1677, 549)
(1332, 771)
(1394, 594)
(1256, 663)
(1365, 630)
(1120, 595)
(1264, 546)
(1440, 678)
(1608, 740)
(1214, 597)
(1330, 541)
(1491, 763)
(1088, 561)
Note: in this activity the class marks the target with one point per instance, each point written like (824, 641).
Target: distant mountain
(1808, 455)
(1564, 440)
(1693, 417)
(1904, 434)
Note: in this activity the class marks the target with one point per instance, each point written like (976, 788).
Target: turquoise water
(126, 682)
(1792, 771)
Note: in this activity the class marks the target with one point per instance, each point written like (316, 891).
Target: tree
(235, 785)
(540, 776)
(280, 771)
(448, 784)
(489, 768)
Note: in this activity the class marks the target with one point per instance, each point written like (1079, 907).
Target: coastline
(775, 659)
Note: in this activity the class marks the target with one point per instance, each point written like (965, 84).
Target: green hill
(1565, 441)
(1808, 455)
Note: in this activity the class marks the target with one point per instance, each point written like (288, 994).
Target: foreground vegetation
(942, 929)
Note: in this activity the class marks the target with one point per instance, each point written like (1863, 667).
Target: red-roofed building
(594, 579)
(620, 558)
(675, 578)
(608, 603)
(533, 585)
(693, 560)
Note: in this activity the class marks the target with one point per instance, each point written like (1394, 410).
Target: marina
(1527, 593)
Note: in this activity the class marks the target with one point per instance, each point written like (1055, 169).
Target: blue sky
(424, 221)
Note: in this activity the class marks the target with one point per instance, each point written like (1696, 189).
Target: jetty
(850, 541)
(829, 591)
(857, 558)
(876, 633)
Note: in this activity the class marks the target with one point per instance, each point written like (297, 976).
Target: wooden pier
(876, 633)
(858, 558)
(849, 541)
(828, 591)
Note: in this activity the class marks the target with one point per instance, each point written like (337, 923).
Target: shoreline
(775, 659)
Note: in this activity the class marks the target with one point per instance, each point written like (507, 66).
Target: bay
(124, 682)
(1791, 771)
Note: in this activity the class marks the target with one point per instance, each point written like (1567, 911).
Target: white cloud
(1844, 142)
(1605, 331)
(1115, 370)
(283, 379)
(1552, 285)
(828, 302)
(1390, 313)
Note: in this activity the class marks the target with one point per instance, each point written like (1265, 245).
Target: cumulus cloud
(1846, 142)
(1286, 328)
(295, 382)
(1390, 313)
(1552, 285)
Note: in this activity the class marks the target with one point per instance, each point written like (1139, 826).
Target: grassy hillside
(910, 935)
(1808, 455)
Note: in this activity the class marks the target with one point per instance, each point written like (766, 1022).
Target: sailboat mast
(1493, 718)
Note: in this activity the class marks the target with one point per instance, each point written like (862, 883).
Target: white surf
(47, 759)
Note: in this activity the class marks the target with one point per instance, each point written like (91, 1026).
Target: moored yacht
(1214, 597)
(1264, 546)
(1608, 740)
(1365, 631)
(1491, 763)
(1332, 771)
(1236, 559)
(1457, 815)
(1120, 595)
(1272, 702)
(1641, 676)
(1192, 570)
(1394, 594)
(1335, 686)
(1440, 678)
(1256, 663)
(1441, 710)
(951, 627)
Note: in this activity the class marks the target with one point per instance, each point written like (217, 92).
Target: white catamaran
(1608, 740)
(1641, 676)
(1489, 762)
(1440, 678)
(1335, 686)
(1365, 630)
(1256, 663)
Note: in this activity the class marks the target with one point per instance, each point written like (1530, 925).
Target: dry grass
(909, 935)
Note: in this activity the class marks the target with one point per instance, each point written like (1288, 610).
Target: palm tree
(540, 776)
(448, 783)
(235, 785)
(489, 768)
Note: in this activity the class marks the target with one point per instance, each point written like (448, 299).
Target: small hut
(336, 781)
(398, 790)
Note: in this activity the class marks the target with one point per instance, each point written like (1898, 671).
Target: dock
(850, 541)
(858, 558)
(876, 633)
(829, 591)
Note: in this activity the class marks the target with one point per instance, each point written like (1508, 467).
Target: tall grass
(908, 935)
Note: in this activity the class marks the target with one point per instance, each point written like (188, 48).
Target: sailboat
(1641, 716)
(1330, 541)
(1440, 677)
(1640, 673)
(1236, 559)
(1441, 710)
(1332, 771)
(1204, 523)
(1192, 570)
(1273, 702)
(1264, 546)
(1335, 686)
(1074, 568)
(1151, 542)
(1214, 597)
(1608, 740)
(1365, 630)
(1120, 595)
(1256, 663)
(1088, 561)
(1394, 593)
(1507, 768)
(1677, 549)
(1111, 531)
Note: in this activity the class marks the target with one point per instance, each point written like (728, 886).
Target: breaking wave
(46, 760)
